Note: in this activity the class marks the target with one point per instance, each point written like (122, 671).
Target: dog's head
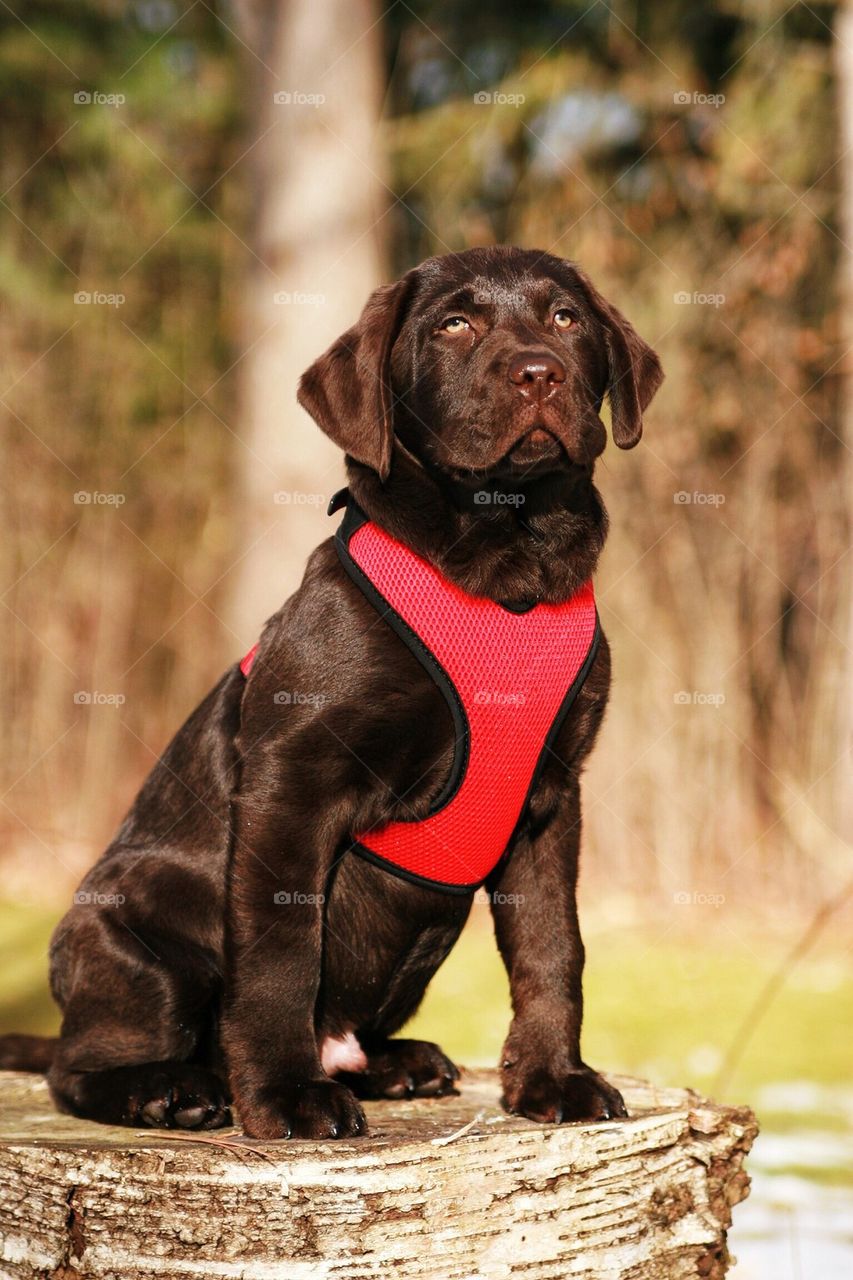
(488, 362)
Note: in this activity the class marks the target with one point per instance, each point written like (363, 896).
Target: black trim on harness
(352, 521)
(440, 886)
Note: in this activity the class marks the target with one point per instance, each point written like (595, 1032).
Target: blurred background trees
(316, 247)
(239, 178)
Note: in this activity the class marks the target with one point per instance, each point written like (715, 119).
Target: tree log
(447, 1188)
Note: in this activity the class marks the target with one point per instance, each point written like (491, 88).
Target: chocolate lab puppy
(232, 943)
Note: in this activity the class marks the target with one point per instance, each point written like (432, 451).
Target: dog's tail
(27, 1053)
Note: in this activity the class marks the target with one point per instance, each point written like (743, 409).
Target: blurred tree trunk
(844, 77)
(316, 77)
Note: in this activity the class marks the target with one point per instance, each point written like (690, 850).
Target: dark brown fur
(183, 979)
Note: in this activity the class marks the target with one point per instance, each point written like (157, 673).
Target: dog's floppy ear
(635, 371)
(347, 390)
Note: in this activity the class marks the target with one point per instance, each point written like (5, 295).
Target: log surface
(648, 1198)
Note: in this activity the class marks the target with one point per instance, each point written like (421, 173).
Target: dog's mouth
(535, 453)
(537, 447)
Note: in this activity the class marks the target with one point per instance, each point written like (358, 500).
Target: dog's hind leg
(135, 1018)
(403, 1069)
(166, 1095)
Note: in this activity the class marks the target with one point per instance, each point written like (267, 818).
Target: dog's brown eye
(563, 319)
(456, 324)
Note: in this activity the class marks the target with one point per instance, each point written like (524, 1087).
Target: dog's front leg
(536, 924)
(280, 864)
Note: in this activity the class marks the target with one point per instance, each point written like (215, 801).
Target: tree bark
(441, 1188)
(314, 81)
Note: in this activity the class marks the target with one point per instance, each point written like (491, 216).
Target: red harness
(509, 678)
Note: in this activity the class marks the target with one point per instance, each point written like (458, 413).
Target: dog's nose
(536, 373)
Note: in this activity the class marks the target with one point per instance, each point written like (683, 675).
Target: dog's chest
(508, 679)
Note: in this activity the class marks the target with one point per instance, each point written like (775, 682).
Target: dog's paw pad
(155, 1112)
(192, 1117)
(406, 1069)
(181, 1097)
(435, 1087)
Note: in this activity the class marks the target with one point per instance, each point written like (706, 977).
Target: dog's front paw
(304, 1109)
(562, 1098)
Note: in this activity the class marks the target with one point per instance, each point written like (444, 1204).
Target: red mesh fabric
(511, 671)
(246, 664)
